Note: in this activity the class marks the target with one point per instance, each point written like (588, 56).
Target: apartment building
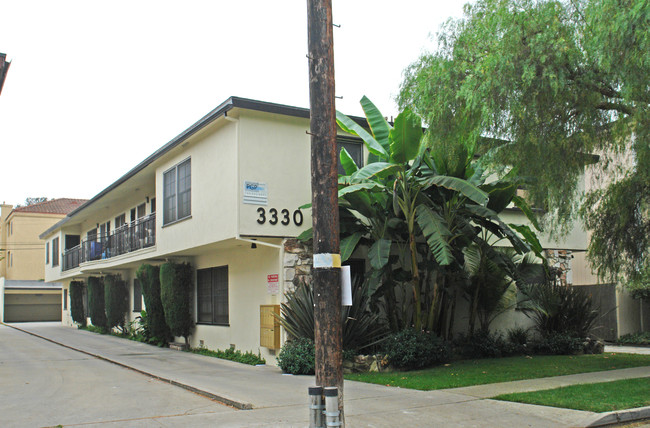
(24, 296)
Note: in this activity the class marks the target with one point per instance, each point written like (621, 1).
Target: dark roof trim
(223, 108)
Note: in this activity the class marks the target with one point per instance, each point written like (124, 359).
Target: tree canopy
(548, 87)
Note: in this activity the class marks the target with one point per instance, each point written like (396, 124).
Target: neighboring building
(4, 69)
(22, 268)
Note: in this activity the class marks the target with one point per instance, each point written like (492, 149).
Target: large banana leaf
(525, 208)
(378, 125)
(436, 232)
(530, 238)
(350, 126)
(501, 194)
(348, 245)
(405, 137)
(357, 187)
(459, 185)
(379, 252)
(379, 169)
(348, 164)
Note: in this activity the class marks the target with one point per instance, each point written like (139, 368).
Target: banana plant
(399, 155)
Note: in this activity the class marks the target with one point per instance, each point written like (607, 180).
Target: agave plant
(360, 327)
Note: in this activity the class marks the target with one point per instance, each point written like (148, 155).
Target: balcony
(125, 239)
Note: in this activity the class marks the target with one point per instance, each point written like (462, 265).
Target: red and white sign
(273, 283)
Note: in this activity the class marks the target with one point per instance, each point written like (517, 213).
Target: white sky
(96, 86)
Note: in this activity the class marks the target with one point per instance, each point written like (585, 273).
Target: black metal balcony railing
(125, 239)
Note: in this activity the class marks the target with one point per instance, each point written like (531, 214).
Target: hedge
(175, 287)
(77, 302)
(116, 299)
(96, 307)
(149, 277)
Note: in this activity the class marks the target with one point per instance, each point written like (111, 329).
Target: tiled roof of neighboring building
(54, 206)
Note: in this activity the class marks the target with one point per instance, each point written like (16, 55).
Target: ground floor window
(212, 295)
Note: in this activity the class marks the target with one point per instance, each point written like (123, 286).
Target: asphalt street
(42, 384)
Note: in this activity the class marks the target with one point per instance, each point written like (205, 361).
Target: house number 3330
(283, 216)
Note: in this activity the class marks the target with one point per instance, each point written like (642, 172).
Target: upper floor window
(177, 186)
(120, 220)
(47, 253)
(55, 252)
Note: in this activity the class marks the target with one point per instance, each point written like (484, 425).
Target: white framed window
(177, 192)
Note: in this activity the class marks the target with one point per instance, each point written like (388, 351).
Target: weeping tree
(417, 209)
(176, 281)
(77, 302)
(96, 305)
(149, 277)
(553, 81)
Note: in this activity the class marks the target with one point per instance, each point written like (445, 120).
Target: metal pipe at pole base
(332, 413)
(316, 407)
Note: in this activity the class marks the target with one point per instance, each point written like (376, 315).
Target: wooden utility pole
(327, 260)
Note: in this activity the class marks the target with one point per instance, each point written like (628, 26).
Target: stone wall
(297, 264)
(560, 263)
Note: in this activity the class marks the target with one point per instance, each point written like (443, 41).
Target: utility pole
(324, 185)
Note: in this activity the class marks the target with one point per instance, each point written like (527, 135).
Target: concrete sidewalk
(275, 399)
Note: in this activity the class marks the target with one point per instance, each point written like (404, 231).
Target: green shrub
(116, 299)
(153, 321)
(298, 356)
(175, 286)
(232, 354)
(482, 344)
(559, 309)
(77, 302)
(410, 349)
(559, 344)
(96, 306)
(517, 341)
(641, 338)
(360, 327)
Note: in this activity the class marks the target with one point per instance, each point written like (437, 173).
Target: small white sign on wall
(255, 193)
(273, 283)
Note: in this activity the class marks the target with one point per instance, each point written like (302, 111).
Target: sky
(95, 86)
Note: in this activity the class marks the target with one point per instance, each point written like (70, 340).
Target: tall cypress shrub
(96, 306)
(77, 302)
(116, 300)
(149, 277)
(175, 287)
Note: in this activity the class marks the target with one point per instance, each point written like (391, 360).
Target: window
(354, 147)
(10, 256)
(137, 296)
(177, 186)
(141, 210)
(153, 205)
(120, 220)
(212, 295)
(65, 299)
(47, 253)
(55, 252)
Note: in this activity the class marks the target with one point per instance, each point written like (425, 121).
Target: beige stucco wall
(21, 231)
(275, 150)
(247, 290)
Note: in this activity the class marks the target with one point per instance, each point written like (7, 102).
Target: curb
(618, 416)
(223, 400)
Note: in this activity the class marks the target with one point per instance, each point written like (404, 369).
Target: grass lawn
(493, 370)
(594, 397)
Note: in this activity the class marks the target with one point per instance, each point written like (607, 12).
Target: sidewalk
(274, 399)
